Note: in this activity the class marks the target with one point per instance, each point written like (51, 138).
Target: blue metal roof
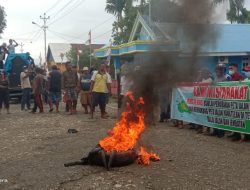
(225, 38)
(232, 38)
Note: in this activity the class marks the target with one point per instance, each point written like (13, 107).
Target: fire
(144, 157)
(127, 131)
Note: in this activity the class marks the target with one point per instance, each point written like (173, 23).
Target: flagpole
(90, 59)
(90, 50)
(78, 58)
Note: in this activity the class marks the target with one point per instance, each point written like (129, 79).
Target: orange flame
(144, 157)
(127, 130)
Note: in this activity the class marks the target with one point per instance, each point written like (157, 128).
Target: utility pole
(21, 47)
(44, 27)
(150, 12)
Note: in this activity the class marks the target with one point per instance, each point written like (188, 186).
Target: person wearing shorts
(85, 82)
(55, 96)
(100, 85)
(70, 87)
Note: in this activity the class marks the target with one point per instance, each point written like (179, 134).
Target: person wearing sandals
(54, 81)
(38, 89)
(100, 85)
(85, 96)
(4, 93)
(70, 88)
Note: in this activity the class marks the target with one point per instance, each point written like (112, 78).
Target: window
(245, 62)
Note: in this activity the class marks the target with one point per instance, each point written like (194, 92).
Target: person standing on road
(11, 46)
(4, 93)
(100, 85)
(220, 76)
(85, 82)
(108, 92)
(55, 79)
(38, 90)
(70, 87)
(3, 52)
(235, 76)
(26, 88)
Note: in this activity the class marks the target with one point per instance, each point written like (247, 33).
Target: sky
(70, 22)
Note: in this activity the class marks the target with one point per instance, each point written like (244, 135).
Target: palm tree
(115, 7)
(236, 7)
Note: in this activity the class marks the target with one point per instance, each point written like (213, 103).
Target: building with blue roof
(229, 44)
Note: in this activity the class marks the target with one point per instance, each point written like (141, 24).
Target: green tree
(2, 19)
(165, 11)
(122, 29)
(115, 7)
(126, 13)
(245, 16)
(237, 12)
(84, 58)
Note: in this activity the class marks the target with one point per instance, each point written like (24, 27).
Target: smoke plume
(160, 71)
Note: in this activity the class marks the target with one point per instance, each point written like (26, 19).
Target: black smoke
(188, 25)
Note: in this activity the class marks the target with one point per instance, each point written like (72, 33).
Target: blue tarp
(11, 57)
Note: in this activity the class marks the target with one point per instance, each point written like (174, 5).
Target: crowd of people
(221, 74)
(92, 86)
(7, 49)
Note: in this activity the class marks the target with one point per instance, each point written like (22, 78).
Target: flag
(108, 54)
(40, 59)
(89, 38)
(78, 56)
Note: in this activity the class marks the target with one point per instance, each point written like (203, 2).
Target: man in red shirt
(233, 72)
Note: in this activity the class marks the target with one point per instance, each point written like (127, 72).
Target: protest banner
(223, 105)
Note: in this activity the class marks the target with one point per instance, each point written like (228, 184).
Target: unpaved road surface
(34, 147)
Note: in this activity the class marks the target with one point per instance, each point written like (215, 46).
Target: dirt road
(34, 147)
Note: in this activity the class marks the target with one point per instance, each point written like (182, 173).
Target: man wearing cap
(85, 95)
(233, 72)
(26, 88)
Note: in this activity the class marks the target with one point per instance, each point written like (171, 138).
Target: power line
(35, 37)
(101, 35)
(95, 27)
(57, 35)
(71, 37)
(53, 6)
(60, 10)
(69, 11)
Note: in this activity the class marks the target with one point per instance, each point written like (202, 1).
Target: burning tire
(99, 157)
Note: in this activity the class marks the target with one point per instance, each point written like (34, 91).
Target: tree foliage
(237, 13)
(84, 58)
(2, 19)
(126, 13)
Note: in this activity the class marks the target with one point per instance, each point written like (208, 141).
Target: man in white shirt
(26, 88)
(11, 46)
